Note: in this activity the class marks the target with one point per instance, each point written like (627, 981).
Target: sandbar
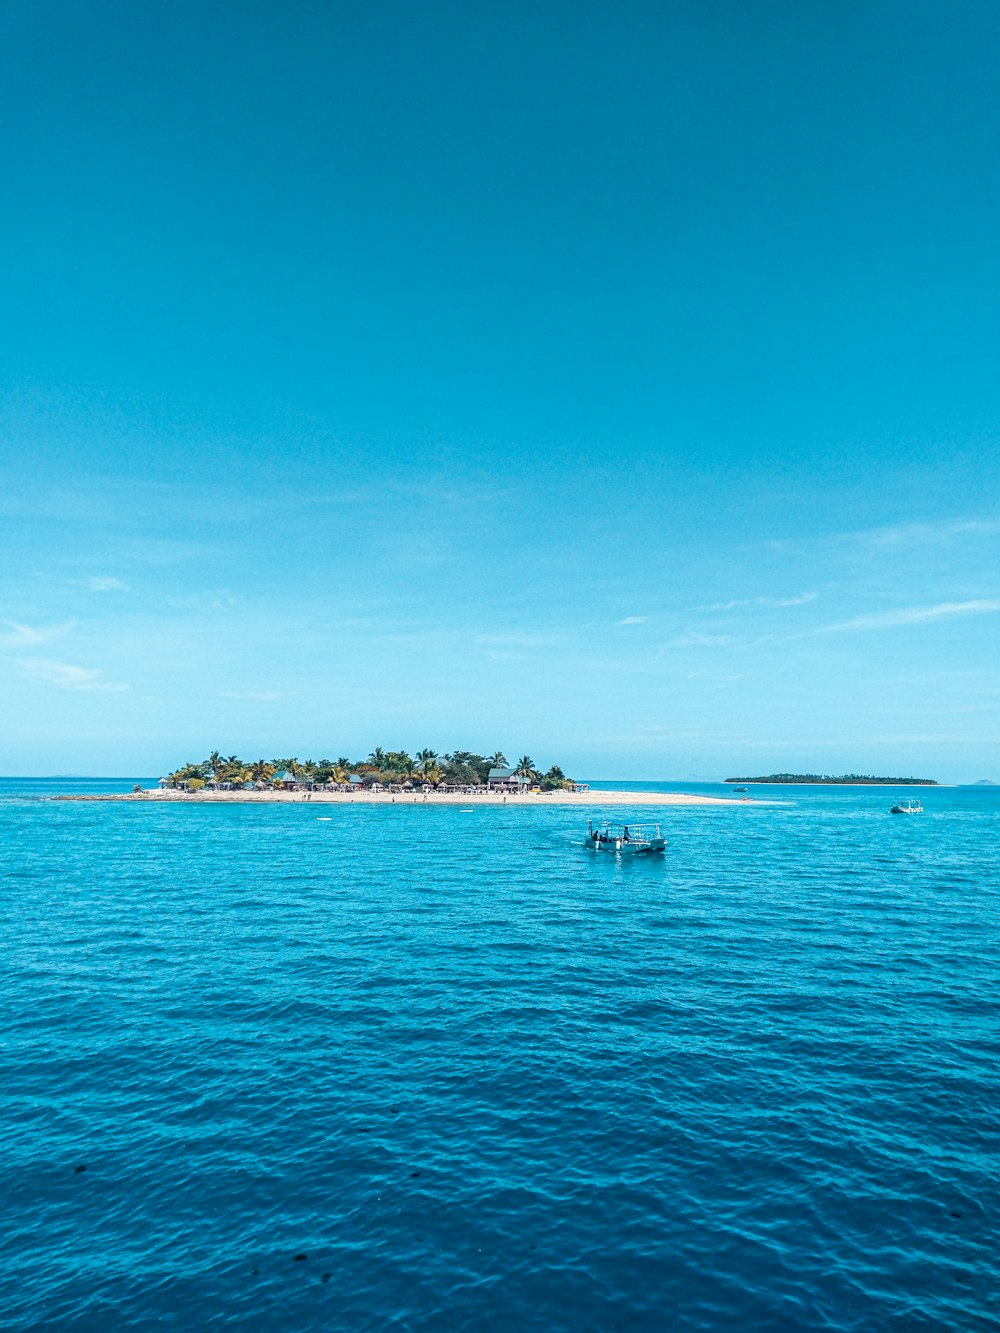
(578, 798)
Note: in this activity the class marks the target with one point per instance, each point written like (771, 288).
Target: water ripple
(407, 1070)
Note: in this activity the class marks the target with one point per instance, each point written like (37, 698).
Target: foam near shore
(580, 798)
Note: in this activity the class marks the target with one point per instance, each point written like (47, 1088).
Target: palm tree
(499, 760)
(216, 763)
(525, 766)
(377, 757)
(427, 760)
(231, 770)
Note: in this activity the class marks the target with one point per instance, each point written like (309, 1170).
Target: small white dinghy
(625, 839)
(907, 808)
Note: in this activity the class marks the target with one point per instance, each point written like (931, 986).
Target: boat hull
(622, 848)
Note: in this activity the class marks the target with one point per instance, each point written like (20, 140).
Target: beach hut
(505, 779)
(284, 780)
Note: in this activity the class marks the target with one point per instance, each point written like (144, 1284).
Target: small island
(388, 776)
(845, 780)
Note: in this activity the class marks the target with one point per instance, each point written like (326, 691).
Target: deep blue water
(483, 1079)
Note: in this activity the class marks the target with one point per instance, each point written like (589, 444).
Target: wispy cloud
(210, 599)
(634, 620)
(98, 583)
(253, 696)
(66, 676)
(891, 537)
(516, 639)
(30, 636)
(770, 602)
(924, 534)
(914, 615)
(440, 491)
(695, 640)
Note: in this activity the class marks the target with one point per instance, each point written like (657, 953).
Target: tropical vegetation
(459, 768)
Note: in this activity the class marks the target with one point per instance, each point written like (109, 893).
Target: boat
(907, 808)
(625, 839)
(741, 790)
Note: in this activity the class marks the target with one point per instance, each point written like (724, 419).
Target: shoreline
(590, 798)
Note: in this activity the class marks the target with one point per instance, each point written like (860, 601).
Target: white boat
(625, 839)
(907, 808)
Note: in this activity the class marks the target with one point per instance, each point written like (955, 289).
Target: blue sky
(616, 383)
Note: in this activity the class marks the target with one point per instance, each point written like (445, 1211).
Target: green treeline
(857, 778)
(460, 768)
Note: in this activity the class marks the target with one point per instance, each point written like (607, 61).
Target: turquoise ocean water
(411, 1068)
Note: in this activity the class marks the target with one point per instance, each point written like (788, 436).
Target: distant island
(846, 779)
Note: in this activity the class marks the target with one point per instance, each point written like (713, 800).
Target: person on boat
(625, 837)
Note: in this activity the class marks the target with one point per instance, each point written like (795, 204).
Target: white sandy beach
(583, 799)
